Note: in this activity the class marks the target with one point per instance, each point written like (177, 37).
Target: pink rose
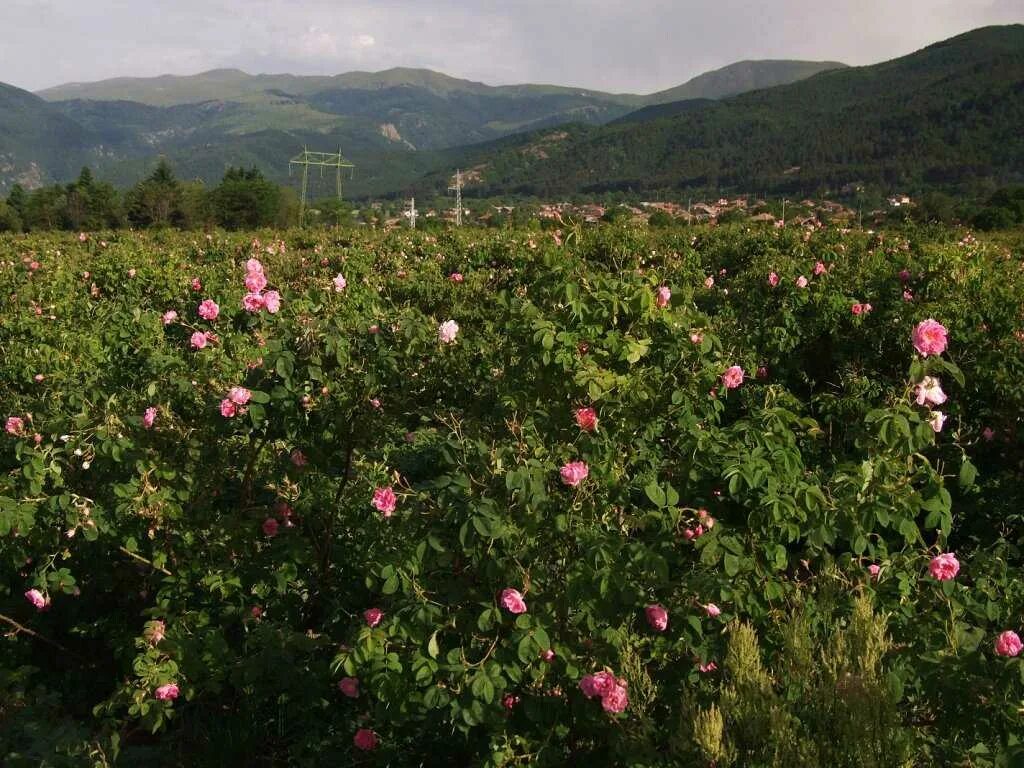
(272, 301)
(617, 699)
(657, 617)
(712, 610)
(819, 267)
(696, 338)
(874, 570)
(167, 692)
(929, 392)
(512, 601)
(709, 283)
(374, 329)
(456, 277)
(239, 395)
(365, 739)
(169, 317)
(1008, 644)
(38, 378)
(936, 420)
(447, 331)
(597, 685)
(930, 338)
(255, 282)
(270, 527)
(988, 433)
(663, 297)
(199, 340)
(904, 275)
(867, 308)
(149, 417)
(252, 302)
(801, 282)
(944, 567)
(155, 631)
(586, 419)
(509, 701)
(773, 279)
(709, 667)
(349, 686)
(208, 309)
(857, 309)
(298, 458)
(574, 473)
(384, 500)
(35, 597)
(733, 377)
(14, 425)
(253, 267)
(228, 409)
(340, 283)
(547, 656)
(373, 616)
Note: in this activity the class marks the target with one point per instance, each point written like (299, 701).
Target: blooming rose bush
(512, 519)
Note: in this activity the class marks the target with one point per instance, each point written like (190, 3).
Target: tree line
(243, 199)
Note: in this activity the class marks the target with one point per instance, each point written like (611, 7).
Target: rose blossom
(227, 408)
(988, 433)
(663, 297)
(512, 601)
(696, 338)
(1008, 644)
(773, 279)
(298, 458)
(509, 701)
(252, 302)
(365, 739)
(254, 267)
(733, 377)
(574, 473)
(874, 570)
(384, 500)
(169, 317)
(255, 282)
(712, 610)
(586, 419)
(149, 417)
(930, 338)
(199, 340)
(272, 301)
(349, 686)
(339, 283)
(270, 526)
(657, 617)
(709, 667)
(617, 699)
(35, 597)
(597, 685)
(155, 631)
(239, 395)
(936, 419)
(456, 277)
(208, 309)
(547, 656)
(167, 692)
(709, 283)
(819, 267)
(801, 282)
(944, 567)
(14, 425)
(373, 616)
(857, 309)
(447, 331)
(929, 392)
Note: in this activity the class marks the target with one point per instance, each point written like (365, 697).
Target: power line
(319, 160)
(458, 197)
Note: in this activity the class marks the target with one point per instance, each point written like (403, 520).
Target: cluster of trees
(244, 199)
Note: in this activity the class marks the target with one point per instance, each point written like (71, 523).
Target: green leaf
(732, 564)
(656, 494)
(432, 649)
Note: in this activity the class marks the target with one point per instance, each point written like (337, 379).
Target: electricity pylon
(457, 189)
(412, 213)
(319, 160)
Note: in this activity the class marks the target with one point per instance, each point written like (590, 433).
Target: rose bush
(517, 518)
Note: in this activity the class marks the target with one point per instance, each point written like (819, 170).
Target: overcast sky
(611, 45)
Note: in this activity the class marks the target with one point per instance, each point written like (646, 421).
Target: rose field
(709, 497)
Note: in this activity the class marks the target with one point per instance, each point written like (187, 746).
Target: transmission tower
(319, 160)
(412, 213)
(457, 189)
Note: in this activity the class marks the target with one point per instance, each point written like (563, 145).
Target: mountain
(392, 124)
(946, 116)
(741, 77)
(36, 140)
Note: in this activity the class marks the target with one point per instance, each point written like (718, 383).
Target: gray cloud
(616, 45)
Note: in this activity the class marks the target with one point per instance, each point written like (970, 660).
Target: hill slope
(946, 115)
(741, 77)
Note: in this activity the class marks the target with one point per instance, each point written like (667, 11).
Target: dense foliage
(709, 497)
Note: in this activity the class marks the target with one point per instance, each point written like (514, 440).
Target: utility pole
(319, 160)
(783, 212)
(412, 213)
(458, 197)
